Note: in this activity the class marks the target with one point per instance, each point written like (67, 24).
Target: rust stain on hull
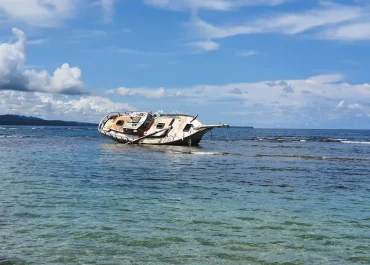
(146, 128)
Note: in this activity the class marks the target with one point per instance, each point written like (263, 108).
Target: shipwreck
(137, 127)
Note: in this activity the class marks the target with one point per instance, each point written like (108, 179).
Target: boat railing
(111, 115)
(174, 114)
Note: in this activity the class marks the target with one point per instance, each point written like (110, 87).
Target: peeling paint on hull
(194, 140)
(145, 128)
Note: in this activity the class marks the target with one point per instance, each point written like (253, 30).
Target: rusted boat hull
(145, 128)
(192, 140)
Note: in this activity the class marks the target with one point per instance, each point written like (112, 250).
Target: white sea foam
(207, 153)
(196, 152)
(354, 142)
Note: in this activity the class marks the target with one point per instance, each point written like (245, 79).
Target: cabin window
(120, 123)
(187, 127)
(160, 125)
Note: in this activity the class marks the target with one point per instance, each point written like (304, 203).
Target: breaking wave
(297, 139)
(355, 142)
(209, 153)
(308, 157)
(19, 136)
(196, 152)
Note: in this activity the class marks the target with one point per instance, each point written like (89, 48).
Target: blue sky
(265, 63)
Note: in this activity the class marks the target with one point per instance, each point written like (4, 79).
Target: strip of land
(10, 119)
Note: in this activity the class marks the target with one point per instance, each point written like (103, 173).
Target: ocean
(244, 196)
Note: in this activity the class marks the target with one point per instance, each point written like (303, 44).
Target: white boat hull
(145, 128)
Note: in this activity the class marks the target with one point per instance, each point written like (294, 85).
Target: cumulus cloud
(322, 89)
(47, 13)
(65, 79)
(328, 90)
(51, 106)
(317, 100)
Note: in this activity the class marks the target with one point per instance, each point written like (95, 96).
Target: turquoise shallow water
(71, 196)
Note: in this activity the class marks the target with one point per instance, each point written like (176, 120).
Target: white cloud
(159, 93)
(96, 105)
(141, 92)
(65, 80)
(209, 31)
(108, 8)
(316, 98)
(340, 105)
(326, 90)
(179, 93)
(218, 5)
(328, 20)
(326, 14)
(36, 42)
(314, 89)
(355, 106)
(122, 91)
(350, 32)
(326, 79)
(90, 108)
(207, 45)
(246, 53)
(46, 13)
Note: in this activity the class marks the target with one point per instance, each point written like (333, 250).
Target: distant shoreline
(18, 120)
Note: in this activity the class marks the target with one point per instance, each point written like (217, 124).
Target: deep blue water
(245, 196)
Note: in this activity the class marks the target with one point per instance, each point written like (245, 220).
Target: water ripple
(266, 197)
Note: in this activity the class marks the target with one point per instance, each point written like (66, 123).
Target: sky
(261, 63)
